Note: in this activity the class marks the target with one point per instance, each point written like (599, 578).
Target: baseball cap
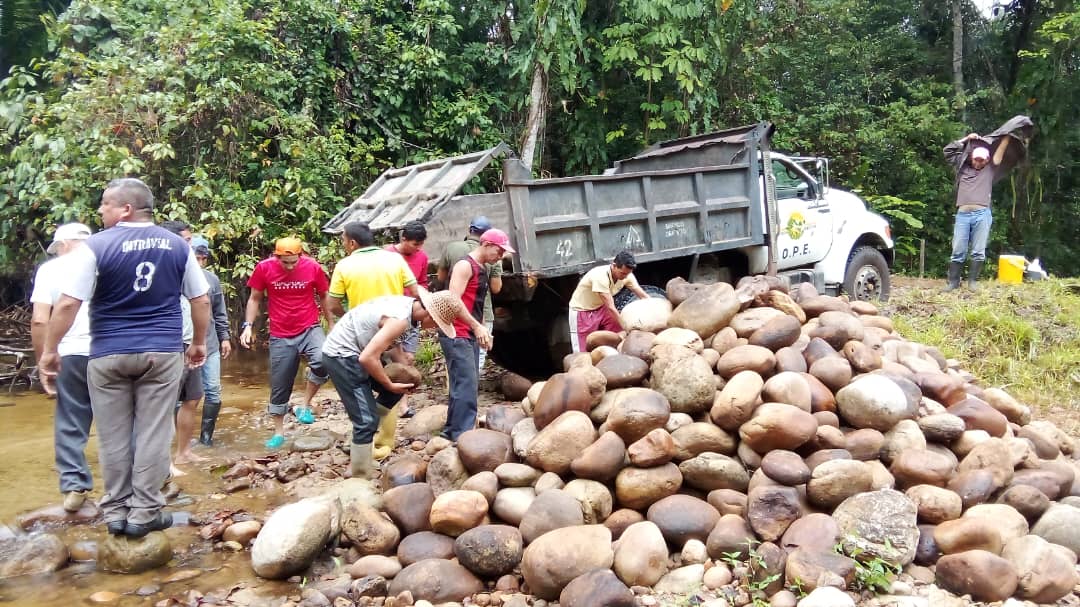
(68, 231)
(443, 307)
(479, 224)
(981, 153)
(498, 238)
(289, 245)
(200, 245)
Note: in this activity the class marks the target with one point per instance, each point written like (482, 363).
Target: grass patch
(1024, 338)
(428, 354)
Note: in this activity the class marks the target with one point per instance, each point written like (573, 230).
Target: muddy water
(28, 481)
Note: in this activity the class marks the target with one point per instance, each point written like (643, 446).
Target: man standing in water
(291, 282)
(73, 415)
(218, 344)
(133, 274)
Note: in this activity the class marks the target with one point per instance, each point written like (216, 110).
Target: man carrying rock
(979, 162)
(290, 282)
(469, 283)
(592, 306)
(410, 246)
(457, 250)
(367, 273)
(133, 274)
(352, 355)
(73, 415)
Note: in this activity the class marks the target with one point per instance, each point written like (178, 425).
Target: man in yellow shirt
(592, 307)
(367, 272)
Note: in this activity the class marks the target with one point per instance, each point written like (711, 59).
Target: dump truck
(708, 208)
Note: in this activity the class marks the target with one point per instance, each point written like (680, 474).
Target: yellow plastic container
(1011, 269)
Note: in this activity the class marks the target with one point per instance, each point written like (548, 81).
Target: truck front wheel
(867, 275)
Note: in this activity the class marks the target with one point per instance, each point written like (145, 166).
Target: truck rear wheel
(867, 275)
(625, 296)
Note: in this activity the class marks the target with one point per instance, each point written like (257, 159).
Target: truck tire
(867, 275)
(625, 296)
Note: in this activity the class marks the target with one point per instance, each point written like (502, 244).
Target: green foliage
(757, 577)
(872, 573)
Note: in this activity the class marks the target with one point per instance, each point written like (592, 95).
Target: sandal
(275, 442)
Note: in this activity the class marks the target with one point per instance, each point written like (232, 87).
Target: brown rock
(595, 499)
(735, 403)
(409, 506)
(437, 581)
(815, 305)
(776, 333)
(1026, 500)
(834, 481)
(921, 468)
(935, 504)
(641, 487)
(790, 359)
(561, 393)
(653, 449)
(942, 387)
(552, 509)
(777, 426)
(992, 455)
(706, 311)
(602, 460)
(978, 415)
(833, 371)
(965, 534)
(559, 556)
(1046, 572)
(424, 545)
(455, 512)
(446, 471)
(728, 501)
(788, 388)
(698, 437)
(816, 532)
(637, 411)
(811, 569)
(682, 518)
(785, 467)
(708, 471)
(489, 550)
(485, 483)
(481, 449)
(942, 428)
(973, 486)
(685, 379)
(983, 575)
(602, 338)
(503, 418)
(560, 442)
(597, 588)
(731, 534)
(864, 444)
(623, 371)
(621, 519)
(1046, 447)
(639, 345)
(368, 530)
(817, 349)
(817, 458)
(781, 301)
(513, 386)
(821, 397)
(746, 358)
(771, 509)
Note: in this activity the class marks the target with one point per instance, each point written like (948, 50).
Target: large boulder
(874, 401)
(640, 487)
(623, 370)
(696, 438)
(446, 471)
(879, 523)
(122, 554)
(641, 554)
(685, 379)
(552, 509)
(597, 588)
(31, 554)
(292, 537)
(437, 581)
(594, 497)
(707, 311)
(682, 518)
(368, 530)
(455, 512)
(778, 426)
(634, 412)
(647, 315)
(602, 460)
(1060, 525)
(489, 550)
(425, 545)
(428, 421)
(482, 449)
(560, 442)
(812, 569)
(512, 503)
(984, 575)
(709, 471)
(771, 509)
(1045, 572)
(557, 557)
(561, 393)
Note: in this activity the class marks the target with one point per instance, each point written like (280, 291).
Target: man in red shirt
(410, 245)
(291, 282)
(469, 281)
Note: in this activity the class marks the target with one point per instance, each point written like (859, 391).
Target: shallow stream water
(28, 481)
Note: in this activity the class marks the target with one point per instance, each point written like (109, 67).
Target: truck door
(805, 218)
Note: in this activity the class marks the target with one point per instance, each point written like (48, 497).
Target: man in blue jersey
(133, 273)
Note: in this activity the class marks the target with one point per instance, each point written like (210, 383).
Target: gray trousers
(133, 396)
(71, 425)
(285, 353)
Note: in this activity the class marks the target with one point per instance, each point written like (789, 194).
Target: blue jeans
(357, 391)
(211, 377)
(461, 354)
(71, 427)
(971, 227)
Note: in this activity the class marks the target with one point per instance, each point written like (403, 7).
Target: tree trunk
(537, 101)
(958, 57)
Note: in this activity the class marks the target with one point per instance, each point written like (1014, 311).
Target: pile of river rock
(762, 444)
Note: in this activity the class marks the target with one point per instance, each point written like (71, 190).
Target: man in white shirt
(73, 415)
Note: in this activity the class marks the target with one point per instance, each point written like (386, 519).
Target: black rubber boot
(973, 274)
(209, 421)
(955, 269)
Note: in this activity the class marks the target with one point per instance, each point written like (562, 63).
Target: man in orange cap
(290, 282)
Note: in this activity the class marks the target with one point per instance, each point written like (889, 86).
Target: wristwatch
(245, 325)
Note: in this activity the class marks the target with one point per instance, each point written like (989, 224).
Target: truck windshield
(790, 183)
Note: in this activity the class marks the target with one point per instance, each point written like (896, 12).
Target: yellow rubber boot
(384, 437)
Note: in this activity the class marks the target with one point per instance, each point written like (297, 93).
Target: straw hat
(443, 307)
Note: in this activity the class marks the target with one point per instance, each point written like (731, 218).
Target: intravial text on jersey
(291, 284)
(142, 244)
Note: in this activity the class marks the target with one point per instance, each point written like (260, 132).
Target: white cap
(68, 231)
(980, 153)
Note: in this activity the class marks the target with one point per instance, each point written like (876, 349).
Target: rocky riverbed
(739, 447)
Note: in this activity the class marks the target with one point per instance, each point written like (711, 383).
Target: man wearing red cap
(291, 282)
(469, 282)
